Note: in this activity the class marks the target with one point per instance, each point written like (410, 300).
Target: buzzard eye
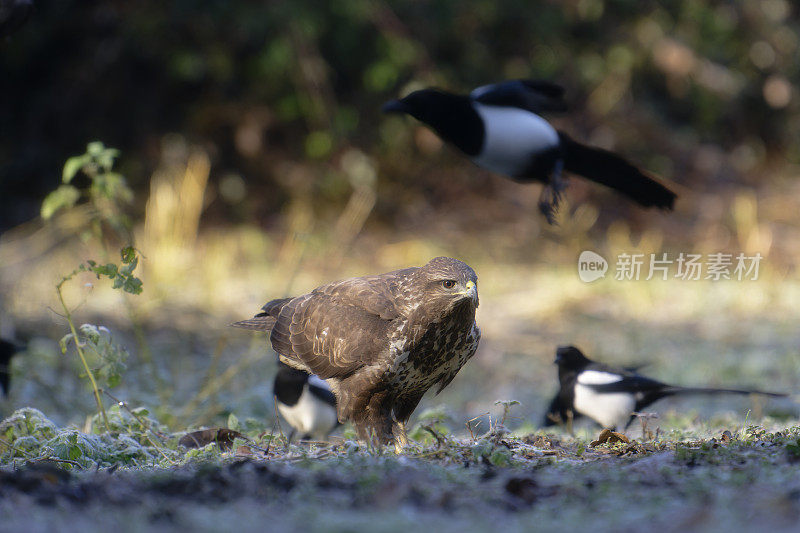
(448, 284)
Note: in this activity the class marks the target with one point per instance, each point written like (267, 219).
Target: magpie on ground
(499, 128)
(608, 395)
(7, 350)
(306, 402)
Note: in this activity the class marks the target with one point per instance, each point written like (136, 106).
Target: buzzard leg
(400, 436)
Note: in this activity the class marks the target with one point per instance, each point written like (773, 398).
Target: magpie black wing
(536, 96)
(630, 383)
(322, 394)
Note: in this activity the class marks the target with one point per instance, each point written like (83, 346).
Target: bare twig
(56, 460)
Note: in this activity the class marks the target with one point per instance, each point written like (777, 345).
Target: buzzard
(380, 341)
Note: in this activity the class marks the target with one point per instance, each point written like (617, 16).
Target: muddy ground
(732, 482)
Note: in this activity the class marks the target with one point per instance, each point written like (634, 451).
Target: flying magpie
(499, 128)
(608, 395)
(306, 402)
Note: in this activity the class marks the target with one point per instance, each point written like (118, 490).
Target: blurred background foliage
(251, 136)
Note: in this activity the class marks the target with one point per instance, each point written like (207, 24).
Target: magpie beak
(395, 106)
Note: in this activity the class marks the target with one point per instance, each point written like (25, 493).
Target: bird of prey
(380, 341)
(608, 395)
(305, 402)
(499, 128)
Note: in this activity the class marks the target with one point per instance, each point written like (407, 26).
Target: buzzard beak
(472, 292)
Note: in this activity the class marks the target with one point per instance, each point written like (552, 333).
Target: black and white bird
(499, 128)
(7, 350)
(609, 395)
(306, 402)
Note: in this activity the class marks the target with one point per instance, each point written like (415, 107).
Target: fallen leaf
(221, 436)
(610, 437)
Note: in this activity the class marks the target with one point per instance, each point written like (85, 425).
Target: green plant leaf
(233, 422)
(133, 285)
(72, 166)
(128, 254)
(95, 148)
(63, 197)
(64, 341)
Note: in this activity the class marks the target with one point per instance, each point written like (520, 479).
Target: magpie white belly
(610, 410)
(310, 416)
(512, 138)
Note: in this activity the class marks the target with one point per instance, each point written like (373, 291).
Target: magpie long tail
(673, 390)
(611, 170)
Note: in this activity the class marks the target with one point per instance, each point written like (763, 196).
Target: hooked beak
(472, 292)
(394, 106)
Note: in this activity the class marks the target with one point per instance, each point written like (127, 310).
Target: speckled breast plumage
(438, 355)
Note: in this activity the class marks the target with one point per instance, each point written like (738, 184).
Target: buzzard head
(448, 284)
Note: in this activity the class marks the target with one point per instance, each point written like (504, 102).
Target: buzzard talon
(400, 436)
(380, 342)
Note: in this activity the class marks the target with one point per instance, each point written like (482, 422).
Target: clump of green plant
(432, 427)
(97, 339)
(105, 194)
(135, 440)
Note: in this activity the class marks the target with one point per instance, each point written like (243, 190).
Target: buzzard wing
(338, 328)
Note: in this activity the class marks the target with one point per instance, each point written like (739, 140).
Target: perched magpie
(609, 395)
(498, 126)
(306, 402)
(13, 15)
(7, 351)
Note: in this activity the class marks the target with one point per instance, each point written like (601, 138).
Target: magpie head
(571, 358)
(426, 105)
(451, 116)
(288, 374)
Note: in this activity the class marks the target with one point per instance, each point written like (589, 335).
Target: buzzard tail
(257, 323)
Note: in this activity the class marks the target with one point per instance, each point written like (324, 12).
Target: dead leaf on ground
(610, 437)
(221, 436)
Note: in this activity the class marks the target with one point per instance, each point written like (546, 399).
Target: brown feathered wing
(338, 328)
